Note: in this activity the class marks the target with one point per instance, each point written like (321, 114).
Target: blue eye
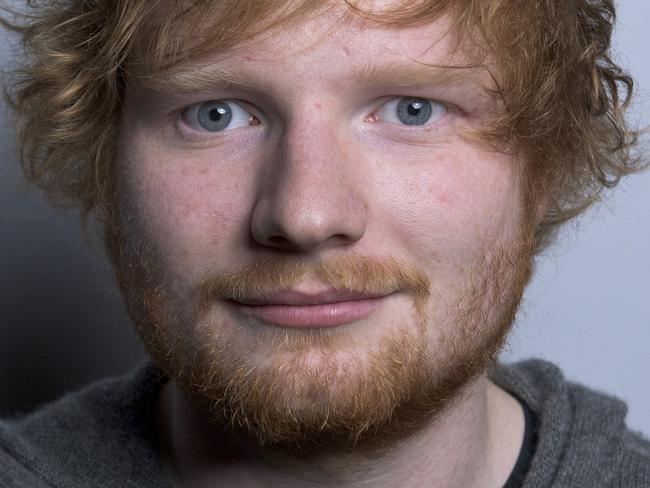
(411, 111)
(216, 116)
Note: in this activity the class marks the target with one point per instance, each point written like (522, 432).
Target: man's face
(335, 161)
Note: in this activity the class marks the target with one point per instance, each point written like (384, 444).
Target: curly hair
(563, 96)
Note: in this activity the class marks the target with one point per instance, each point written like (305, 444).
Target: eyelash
(437, 109)
(186, 130)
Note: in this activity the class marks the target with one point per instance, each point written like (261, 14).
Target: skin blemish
(444, 198)
(318, 105)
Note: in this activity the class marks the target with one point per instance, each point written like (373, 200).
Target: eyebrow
(209, 77)
(194, 78)
(416, 73)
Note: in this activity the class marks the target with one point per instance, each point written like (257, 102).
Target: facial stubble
(314, 391)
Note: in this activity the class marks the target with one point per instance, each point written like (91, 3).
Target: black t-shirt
(518, 474)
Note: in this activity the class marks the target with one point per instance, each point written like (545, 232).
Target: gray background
(588, 309)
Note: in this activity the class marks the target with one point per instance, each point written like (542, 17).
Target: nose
(310, 199)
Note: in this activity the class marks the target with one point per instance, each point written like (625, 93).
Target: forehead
(328, 47)
(318, 38)
(328, 33)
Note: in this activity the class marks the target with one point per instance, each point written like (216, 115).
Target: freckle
(317, 105)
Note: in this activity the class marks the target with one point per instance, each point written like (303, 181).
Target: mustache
(352, 273)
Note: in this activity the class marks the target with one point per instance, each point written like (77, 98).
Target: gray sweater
(104, 436)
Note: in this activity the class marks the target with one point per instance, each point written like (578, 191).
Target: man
(322, 216)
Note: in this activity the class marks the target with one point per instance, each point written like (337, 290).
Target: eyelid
(395, 99)
(241, 115)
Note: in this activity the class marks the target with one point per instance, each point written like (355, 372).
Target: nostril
(277, 240)
(305, 219)
(342, 238)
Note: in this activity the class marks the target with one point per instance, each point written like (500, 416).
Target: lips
(326, 308)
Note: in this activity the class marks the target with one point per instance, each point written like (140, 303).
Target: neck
(474, 442)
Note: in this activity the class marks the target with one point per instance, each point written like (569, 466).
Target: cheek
(190, 209)
(450, 206)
